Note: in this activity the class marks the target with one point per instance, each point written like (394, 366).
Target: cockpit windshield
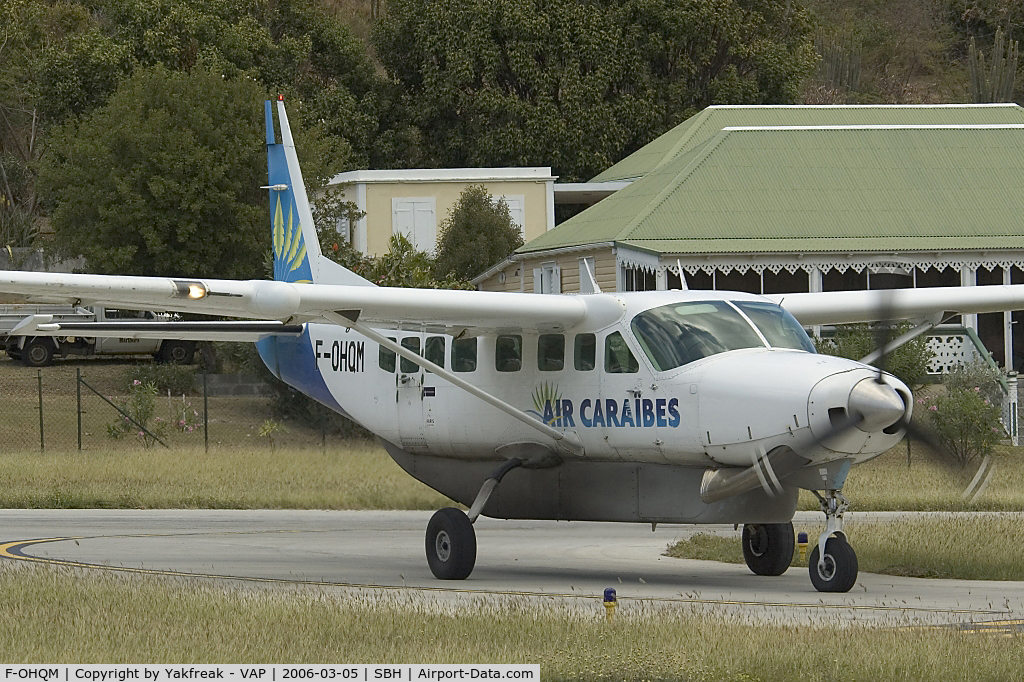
(680, 333)
(777, 325)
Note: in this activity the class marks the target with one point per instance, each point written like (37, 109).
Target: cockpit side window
(618, 359)
(778, 326)
(680, 333)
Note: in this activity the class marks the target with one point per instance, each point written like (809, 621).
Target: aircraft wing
(845, 307)
(440, 309)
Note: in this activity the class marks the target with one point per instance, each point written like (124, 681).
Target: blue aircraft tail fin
(297, 255)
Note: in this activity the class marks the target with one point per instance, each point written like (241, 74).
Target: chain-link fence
(104, 405)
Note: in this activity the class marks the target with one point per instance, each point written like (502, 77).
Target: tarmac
(566, 564)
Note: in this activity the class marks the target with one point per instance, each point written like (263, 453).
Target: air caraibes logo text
(554, 410)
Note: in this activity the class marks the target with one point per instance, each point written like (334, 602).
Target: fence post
(39, 379)
(78, 396)
(206, 417)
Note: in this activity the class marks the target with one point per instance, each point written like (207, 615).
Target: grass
(887, 483)
(977, 548)
(358, 475)
(65, 616)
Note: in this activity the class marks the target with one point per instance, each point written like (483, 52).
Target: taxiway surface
(554, 561)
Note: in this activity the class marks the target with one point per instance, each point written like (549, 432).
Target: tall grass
(929, 484)
(968, 548)
(358, 475)
(58, 616)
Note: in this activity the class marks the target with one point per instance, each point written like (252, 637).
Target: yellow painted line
(14, 551)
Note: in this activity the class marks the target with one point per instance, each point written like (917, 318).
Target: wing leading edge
(295, 303)
(846, 307)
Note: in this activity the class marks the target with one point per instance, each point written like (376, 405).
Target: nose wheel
(833, 563)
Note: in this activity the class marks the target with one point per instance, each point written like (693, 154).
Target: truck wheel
(178, 352)
(37, 353)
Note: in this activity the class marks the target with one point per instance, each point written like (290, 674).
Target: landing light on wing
(190, 290)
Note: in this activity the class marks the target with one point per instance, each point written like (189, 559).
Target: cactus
(995, 84)
(839, 67)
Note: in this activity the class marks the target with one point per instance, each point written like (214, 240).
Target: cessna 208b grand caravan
(652, 407)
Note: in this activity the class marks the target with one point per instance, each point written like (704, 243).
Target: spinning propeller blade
(883, 337)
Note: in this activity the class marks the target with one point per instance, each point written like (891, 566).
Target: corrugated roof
(784, 189)
(698, 129)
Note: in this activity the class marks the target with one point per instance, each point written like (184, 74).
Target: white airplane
(651, 407)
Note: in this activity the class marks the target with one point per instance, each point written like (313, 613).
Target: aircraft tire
(768, 547)
(840, 572)
(450, 544)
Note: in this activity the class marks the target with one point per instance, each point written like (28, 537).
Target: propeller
(884, 346)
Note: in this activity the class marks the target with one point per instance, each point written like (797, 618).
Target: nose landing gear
(833, 563)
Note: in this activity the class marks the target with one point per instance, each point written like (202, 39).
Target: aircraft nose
(878, 404)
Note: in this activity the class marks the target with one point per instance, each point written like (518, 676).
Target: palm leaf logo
(546, 394)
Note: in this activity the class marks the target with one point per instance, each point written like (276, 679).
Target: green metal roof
(698, 129)
(820, 189)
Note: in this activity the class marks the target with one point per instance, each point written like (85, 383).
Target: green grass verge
(985, 548)
(358, 475)
(63, 616)
(887, 483)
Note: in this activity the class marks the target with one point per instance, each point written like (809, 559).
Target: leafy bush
(909, 362)
(178, 379)
(976, 376)
(139, 406)
(965, 423)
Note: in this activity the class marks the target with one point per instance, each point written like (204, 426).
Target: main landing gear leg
(833, 563)
(451, 540)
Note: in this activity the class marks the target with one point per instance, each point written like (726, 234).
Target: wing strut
(567, 441)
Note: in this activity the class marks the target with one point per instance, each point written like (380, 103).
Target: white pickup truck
(38, 351)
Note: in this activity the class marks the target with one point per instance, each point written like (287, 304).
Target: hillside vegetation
(107, 107)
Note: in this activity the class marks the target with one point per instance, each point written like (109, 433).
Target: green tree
(909, 362)
(162, 180)
(477, 233)
(578, 85)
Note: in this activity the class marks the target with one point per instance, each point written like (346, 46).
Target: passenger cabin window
(680, 333)
(433, 350)
(551, 352)
(386, 358)
(585, 352)
(464, 355)
(508, 353)
(413, 344)
(617, 357)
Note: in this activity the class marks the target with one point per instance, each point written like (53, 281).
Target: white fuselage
(720, 410)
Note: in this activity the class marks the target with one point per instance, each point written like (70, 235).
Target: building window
(547, 279)
(416, 219)
(516, 209)
(638, 279)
